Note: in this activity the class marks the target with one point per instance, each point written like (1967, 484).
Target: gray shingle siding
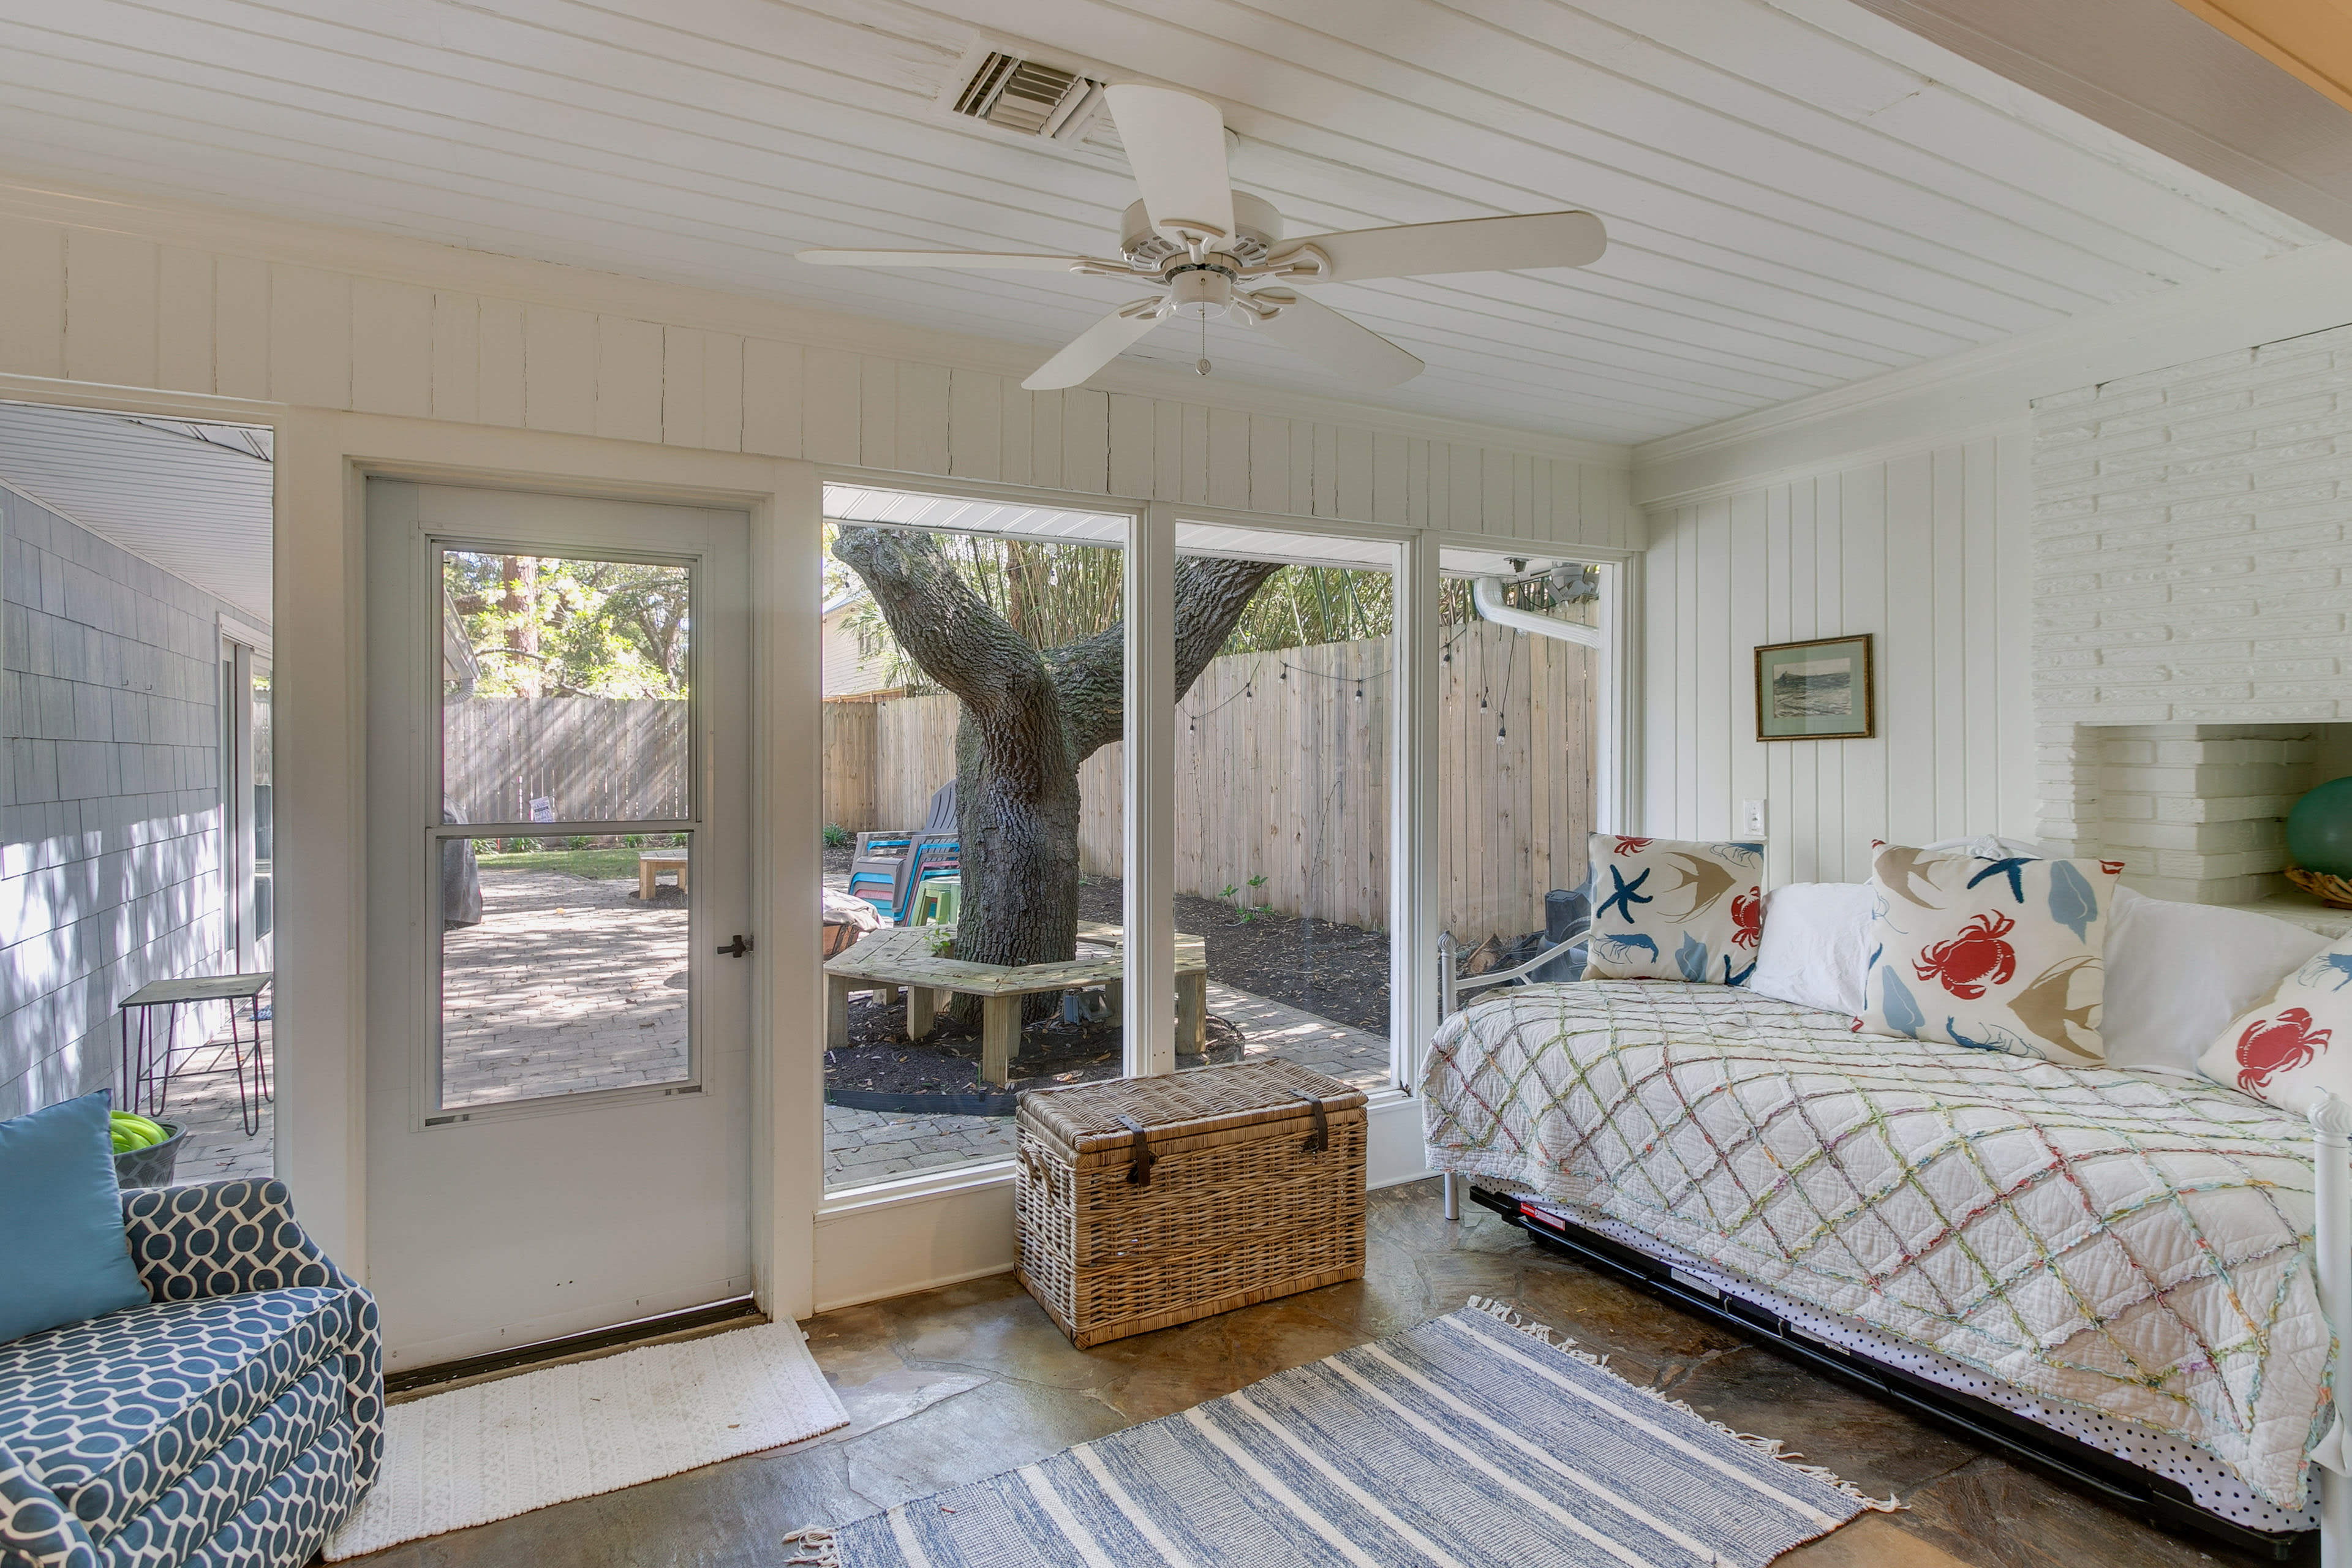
(110, 844)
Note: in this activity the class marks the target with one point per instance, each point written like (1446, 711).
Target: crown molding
(431, 264)
(1978, 389)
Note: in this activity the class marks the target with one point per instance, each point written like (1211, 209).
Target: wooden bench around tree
(889, 959)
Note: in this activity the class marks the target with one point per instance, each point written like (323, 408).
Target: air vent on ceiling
(1029, 99)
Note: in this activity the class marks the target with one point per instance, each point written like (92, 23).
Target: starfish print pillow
(2297, 1041)
(2001, 952)
(1667, 909)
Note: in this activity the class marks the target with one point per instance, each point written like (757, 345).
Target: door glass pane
(564, 688)
(1518, 741)
(1283, 747)
(263, 821)
(558, 973)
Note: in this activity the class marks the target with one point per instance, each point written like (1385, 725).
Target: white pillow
(2177, 974)
(1813, 952)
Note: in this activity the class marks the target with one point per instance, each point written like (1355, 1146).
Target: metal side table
(148, 1071)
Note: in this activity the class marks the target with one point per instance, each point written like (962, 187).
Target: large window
(1284, 738)
(980, 825)
(1519, 704)
(972, 665)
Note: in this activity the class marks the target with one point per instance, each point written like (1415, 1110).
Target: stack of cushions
(1984, 942)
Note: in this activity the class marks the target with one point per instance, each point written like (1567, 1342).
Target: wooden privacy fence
(1282, 773)
(598, 759)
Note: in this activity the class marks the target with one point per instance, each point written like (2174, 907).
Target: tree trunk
(1029, 719)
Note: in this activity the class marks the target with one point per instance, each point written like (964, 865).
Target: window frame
(1149, 804)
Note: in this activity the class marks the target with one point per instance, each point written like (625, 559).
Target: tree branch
(1210, 595)
(943, 623)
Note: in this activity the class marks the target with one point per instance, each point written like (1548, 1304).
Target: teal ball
(2319, 829)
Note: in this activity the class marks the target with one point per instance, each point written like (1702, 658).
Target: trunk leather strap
(1139, 1169)
(1315, 1142)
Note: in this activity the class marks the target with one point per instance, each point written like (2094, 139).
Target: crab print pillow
(1663, 909)
(2297, 1041)
(2004, 954)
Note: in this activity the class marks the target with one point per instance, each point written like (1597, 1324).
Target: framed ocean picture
(1819, 691)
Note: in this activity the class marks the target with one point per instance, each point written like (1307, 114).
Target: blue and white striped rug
(1465, 1443)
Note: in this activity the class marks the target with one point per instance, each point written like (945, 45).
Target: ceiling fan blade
(1176, 145)
(1333, 340)
(1470, 245)
(1096, 347)
(938, 259)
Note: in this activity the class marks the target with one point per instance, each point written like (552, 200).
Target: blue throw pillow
(62, 1255)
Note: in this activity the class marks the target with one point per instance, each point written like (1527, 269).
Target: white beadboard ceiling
(1799, 194)
(193, 499)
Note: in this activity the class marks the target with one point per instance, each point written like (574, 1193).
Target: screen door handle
(738, 948)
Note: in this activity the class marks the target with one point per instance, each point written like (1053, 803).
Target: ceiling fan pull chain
(1201, 366)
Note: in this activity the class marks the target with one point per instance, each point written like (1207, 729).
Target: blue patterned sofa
(237, 1419)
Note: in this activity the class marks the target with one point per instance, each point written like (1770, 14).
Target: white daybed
(2122, 1258)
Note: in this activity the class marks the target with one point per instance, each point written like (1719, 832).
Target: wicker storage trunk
(1153, 1201)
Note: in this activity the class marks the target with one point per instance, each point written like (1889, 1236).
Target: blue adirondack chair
(889, 869)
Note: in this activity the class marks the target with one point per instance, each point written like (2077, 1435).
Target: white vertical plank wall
(1906, 549)
(101, 305)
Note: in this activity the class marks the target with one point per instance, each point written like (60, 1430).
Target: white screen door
(559, 1120)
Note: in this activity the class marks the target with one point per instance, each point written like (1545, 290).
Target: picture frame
(1825, 689)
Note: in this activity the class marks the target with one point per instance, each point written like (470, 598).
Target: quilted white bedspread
(2127, 1242)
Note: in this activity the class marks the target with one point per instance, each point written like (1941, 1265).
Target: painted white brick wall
(111, 831)
(2192, 532)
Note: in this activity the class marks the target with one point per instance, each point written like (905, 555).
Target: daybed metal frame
(2119, 1482)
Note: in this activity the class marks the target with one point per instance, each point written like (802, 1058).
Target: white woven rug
(496, 1450)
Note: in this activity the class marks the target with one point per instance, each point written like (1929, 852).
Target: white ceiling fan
(1206, 251)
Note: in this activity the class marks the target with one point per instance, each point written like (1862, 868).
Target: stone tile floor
(951, 1386)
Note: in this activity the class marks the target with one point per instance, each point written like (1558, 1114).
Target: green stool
(941, 898)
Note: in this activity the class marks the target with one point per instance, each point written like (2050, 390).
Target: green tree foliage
(550, 625)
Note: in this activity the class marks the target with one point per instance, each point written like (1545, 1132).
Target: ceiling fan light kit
(1209, 251)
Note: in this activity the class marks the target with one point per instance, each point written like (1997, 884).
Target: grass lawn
(591, 863)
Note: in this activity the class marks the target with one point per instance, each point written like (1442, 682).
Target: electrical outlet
(1752, 819)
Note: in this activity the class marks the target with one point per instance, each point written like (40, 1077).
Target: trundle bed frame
(2157, 1499)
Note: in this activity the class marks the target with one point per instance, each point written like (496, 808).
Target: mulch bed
(1335, 972)
(880, 1060)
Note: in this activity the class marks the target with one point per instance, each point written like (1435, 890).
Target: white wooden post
(2331, 1246)
(1149, 1010)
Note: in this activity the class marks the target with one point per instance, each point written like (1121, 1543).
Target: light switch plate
(1752, 816)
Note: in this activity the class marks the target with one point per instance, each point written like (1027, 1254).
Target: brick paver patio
(566, 985)
(217, 1149)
